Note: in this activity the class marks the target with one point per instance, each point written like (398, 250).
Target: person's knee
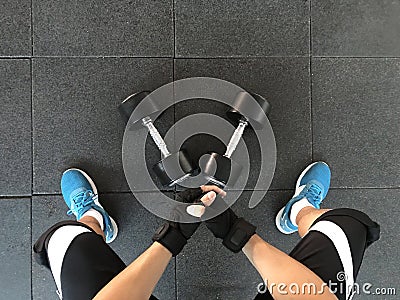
(40, 248)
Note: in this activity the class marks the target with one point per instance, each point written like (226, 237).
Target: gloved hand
(223, 222)
(174, 235)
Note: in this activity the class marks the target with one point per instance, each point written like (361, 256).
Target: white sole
(297, 191)
(277, 222)
(94, 188)
(115, 227)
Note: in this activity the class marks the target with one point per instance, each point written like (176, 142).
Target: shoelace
(80, 201)
(313, 193)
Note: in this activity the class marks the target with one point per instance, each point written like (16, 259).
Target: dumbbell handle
(235, 138)
(148, 123)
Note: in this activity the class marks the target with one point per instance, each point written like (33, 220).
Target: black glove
(235, 232)
(172, 234)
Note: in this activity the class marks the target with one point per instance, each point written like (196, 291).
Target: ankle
(306, 217)
(304, 212)
(93, 224)
(296, 208)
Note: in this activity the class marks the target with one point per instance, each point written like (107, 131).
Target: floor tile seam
(355, 57)
(174, 27)
(193, 57)
(32, 155)
(310, 81)
(32, 31)
(89, 56)
(37, 194)
(10, 197)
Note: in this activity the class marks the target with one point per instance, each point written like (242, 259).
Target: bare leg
(306, 217)
(92, 223)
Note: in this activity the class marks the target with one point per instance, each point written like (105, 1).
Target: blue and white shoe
(313, 184)
(80, 194)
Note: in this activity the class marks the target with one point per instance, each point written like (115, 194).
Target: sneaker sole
(115, 228)
(94, 188)
(277, 222)
(279, 214)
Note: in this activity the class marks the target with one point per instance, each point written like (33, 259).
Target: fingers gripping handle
(235, 139)
(147, 122)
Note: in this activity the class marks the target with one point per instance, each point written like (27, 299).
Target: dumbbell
(167, 169)
(219, 169)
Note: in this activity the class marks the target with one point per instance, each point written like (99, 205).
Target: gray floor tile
(285, 83)
(220, 274)
(379, 266)
(110, 28)
(356, 116)
(241, 28)
(355, 28)
(15, 124)
(136, 227)
(15, 28)
(76, 122)
(15, 260)
(207, 270)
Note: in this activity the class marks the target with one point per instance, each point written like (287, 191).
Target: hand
(224, 217)
(174, 234)
(234, 231)
(193, 195)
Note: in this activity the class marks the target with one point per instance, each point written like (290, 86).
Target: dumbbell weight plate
(220, 170)
(128, 106)
(172, 169)
(255, 114)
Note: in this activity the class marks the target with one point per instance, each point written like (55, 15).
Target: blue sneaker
(313, 184)
(80, 194)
